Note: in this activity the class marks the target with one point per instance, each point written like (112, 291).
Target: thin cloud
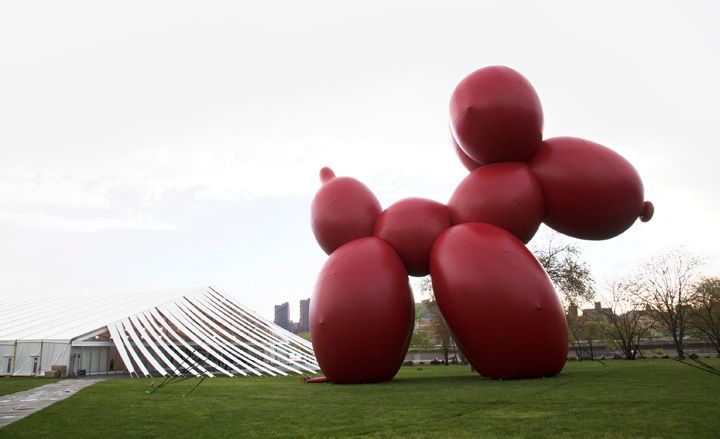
(39, 220)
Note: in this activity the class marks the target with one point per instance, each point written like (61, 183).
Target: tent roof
(64, 318)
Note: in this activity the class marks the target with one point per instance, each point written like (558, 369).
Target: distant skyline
(149, 146)
(293, 317)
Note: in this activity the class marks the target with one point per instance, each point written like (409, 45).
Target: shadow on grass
(457, 379)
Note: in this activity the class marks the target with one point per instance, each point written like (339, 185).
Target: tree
(567, 270)
(628, 323)
(583, 331)
(576, 332)
(570, 275)
(665, 285)
(439, 330)
(704, 314)
(421, 334)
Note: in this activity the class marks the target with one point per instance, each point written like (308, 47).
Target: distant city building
(597, 312)
(282, 316)
(304, 324)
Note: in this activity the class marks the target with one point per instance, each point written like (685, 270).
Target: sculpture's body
(495, 296)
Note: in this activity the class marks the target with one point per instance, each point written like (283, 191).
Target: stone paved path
(18, 405)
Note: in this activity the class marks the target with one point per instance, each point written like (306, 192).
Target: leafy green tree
(438, 329)
(421, 338)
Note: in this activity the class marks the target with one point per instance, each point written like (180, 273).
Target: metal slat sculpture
(204, 334)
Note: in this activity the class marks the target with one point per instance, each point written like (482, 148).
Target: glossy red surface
(591, 192)
(492, 292)
(506, 195)
(342, 210)
(498, 302)
(466, 161)
(410, 226)
(496, 116)
(362, 313)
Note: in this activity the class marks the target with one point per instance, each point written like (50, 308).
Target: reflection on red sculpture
(496, 116)
(506, 195)
(498, 302)
(591, 192)
(466, 161)
(343, 209)
(492, 292)
(410, 226)
(362, 313)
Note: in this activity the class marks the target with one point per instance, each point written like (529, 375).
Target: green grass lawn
(16, 384)
(656, 398)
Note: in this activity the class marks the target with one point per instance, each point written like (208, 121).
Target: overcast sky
(158, 145)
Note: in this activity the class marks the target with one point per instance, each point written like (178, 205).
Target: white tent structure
(200, 331)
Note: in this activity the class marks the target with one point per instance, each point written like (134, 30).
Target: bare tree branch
(567, 270)
(570, 275)
(704, 314)
(666, 283)
(629, 322)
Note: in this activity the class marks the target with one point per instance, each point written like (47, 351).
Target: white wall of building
(7, 354)
(27, 358)
(54, 353)
(94, 360)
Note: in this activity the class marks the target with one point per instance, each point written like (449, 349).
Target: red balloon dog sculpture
(495, 296)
